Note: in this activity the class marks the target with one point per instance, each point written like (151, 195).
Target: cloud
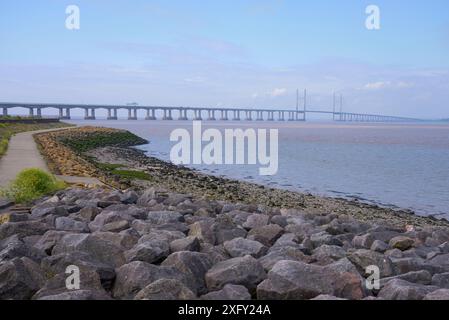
(278, 92)
(388, 84)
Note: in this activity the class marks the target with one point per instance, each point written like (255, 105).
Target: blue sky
(229, 53)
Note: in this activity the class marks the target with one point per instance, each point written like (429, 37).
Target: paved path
(23, 153)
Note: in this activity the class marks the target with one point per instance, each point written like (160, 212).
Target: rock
(420, 277)
(226, 234)
(441, 280)
(363, 258)
(93, 244)
(405, 265)
(164, 217)
(322, 238)
(204, 231)
(276, 254)
(46, 209)
(165, 289)
(287, 239)
(185, 244)
(266, 235)
(280, 221)
(88, 214)
(193, 265)
(240, 247)
(293, 280)
(57, 264)
(13, 247)
(379, 246)
(69, 224)
(125, 239)
(229, 292)
(78, 295)
(129, 197)
(398, 289)
(327, 254)
(402, 243)
(327, 297)
(363, 242)
(256, 221)
(151, 251)
(441, 262)
(245, 271)
(23, 229)
(441, 294)
(47, 241)
(20, 278)
(116, 226)
(135, 276)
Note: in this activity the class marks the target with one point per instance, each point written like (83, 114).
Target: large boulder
(245, 271)
(23, 229)
(278, 253)
(204, 230)
(20, 278)
(94, 244)
(402, 243)
(240, 247)
(441, 280)
(266, 235)
(185, 244)
(13, 247)
(256, 221)
(441, 294)
(151, 251)
(363, 258)
(193, 265)
(229, 292)
(78, 295)
(164, 217)
(398, 289)
(293, 280)
(69, 224)
(135, 276)
(165, 289)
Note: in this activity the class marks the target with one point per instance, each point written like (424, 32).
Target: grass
(92, 141)
(107, 166)
(31, 184)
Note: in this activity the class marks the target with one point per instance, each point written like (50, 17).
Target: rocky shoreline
(179, 234)
(161, 245)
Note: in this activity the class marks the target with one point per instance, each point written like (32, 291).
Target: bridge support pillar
(197, 115)
(151, 114)
(211, 115)
(270, 116)
(132, 114)
(224, 115)
(5, 111)
(39, 112)
(31, 114)
(236, 115)
(248, 115)
(259, 116)
(112, 114)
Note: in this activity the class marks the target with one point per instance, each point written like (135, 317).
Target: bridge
(197, 113)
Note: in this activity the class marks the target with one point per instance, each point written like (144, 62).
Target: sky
(245, 53)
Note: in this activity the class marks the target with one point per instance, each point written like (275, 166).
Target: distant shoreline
(125, 166)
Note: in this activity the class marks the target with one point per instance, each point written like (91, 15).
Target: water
(398, 165)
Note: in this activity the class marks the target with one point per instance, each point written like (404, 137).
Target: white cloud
(278, 92)
(377, 85)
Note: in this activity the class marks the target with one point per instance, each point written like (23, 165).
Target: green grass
(129, 174)
(31, 184)
(92, 141)
(107, 166)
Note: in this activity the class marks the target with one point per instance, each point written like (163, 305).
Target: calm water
(398, 165)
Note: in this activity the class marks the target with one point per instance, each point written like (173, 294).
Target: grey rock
(276, 254)
(229, 292)
(129, 197)
(327, 254)
(79, 295)
(88, 214)
(204, 231)
(49, 239)
(69, 224)
(240, 247)
(226, 234)
(20, 278)
(379, 246)
(135, 276)
(441, 280)
(151, 251)
(256, 221)
(322, 238)
(363, 258)
(46, 209)
(165, 289)
(363, 241)
(266, 235)
(116, 226)
(279, 220)
(441, 294)
(185, 244)
(293, 280)
(164, 217)
(327, 297)
(398, 289)
(245, 271)
(193, 265)
(16, 248)
(23, 229)
(420, 277)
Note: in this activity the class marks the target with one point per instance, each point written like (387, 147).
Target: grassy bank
(7, 130)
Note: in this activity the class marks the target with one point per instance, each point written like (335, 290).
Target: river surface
(397, 165)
